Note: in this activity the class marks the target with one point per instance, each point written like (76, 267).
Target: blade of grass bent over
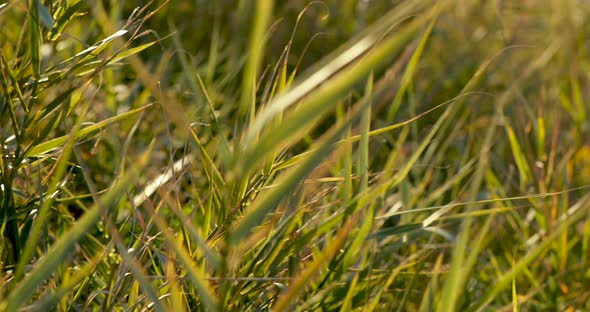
(317, 103)
(336, 62)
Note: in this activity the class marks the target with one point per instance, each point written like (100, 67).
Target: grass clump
(330, 155)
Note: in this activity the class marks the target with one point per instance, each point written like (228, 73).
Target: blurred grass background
(294, 155)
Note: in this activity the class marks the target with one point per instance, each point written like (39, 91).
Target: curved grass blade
(40, 149)
(335, 63)
(317, 103)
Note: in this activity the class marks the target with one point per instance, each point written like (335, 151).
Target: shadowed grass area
(412, 155)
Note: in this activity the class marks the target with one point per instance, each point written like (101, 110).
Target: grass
(309, 155)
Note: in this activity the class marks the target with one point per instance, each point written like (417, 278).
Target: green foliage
(412, 155)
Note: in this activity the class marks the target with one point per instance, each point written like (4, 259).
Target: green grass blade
(262, 17)
(65, 15)
(320, 101)
(363, 162)
(519, 157)
(333, 65)
(411, 67)
(35, 38)
(45, 147)
(127, 53)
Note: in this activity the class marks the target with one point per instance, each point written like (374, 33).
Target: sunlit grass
(328, 155)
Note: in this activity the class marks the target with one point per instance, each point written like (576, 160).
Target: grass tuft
(412, 155)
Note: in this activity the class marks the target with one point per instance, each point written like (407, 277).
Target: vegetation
(409, 155)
